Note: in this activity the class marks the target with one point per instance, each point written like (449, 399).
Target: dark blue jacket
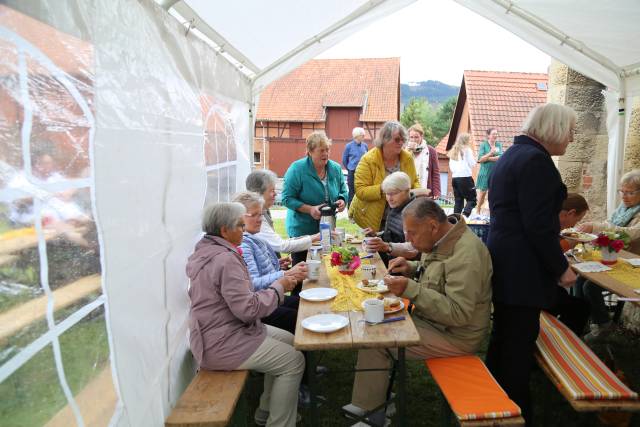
(525, 197)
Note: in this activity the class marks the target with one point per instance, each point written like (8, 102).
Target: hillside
(436, 92)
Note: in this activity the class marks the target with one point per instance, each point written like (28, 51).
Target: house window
(295, 130)
(256, 157)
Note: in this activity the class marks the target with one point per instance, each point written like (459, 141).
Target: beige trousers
(283, 367)
(370, 388)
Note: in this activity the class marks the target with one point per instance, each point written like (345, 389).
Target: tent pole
(615, 164)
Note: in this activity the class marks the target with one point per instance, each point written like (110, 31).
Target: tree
(418, 110)
(443, 118)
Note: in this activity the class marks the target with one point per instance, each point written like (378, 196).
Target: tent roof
(268, 39)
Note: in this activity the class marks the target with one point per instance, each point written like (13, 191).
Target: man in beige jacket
(450, 288)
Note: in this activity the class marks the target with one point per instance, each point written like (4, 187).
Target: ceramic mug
(373, 310)
(369, 272)
(315, 252)
(365, 244)
(313, 269)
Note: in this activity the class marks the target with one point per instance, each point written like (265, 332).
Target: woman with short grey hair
(225, 330)
(626, 218)
(368, 208)
(263, 182)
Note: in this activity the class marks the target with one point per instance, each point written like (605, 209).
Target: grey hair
(422, 208)
(631, 178)
(248, 199)
(387, 131)
(218, 215)
(259, 180)
(398, 181)
(550, 123)
(357, 131)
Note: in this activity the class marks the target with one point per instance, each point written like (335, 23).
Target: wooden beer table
(356, 335)
(606, 281)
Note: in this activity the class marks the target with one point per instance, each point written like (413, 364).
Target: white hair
(259, 180)
(357, 131)
(550, 123)
(248, 199)
(398, 181)
(631, 178)
(218, 215)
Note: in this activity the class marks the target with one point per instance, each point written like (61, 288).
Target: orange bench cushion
(470, 389)
(575, 366)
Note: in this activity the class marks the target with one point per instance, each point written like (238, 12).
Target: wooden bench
(210, 400)
(563, 350)
(472, 393)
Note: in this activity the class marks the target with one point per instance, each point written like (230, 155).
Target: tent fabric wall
(166, 130)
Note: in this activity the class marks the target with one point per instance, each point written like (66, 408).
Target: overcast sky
(438, 40)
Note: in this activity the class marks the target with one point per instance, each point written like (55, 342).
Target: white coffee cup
(368, 272)
(316, 252)
(373, 310)
(313, 269)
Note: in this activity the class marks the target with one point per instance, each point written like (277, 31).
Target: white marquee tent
(145, 108)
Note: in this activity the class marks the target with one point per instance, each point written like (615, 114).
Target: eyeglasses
(628, 193)
(398, 139)
(241, 225)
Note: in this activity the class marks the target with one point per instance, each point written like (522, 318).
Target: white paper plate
(394, 310)
(318, 294)
(379, 289)
(582, 238)
(590, 267)
(325, 323)
(633, 261)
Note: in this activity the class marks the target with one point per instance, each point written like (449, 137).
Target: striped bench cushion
(575, 366)
(470, 389)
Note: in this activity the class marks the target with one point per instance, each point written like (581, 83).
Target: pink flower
(336, 259)
(355, 263)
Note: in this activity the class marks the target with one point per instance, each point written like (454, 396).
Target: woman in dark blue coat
(525, 196)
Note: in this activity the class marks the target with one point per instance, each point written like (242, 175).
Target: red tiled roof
(502, 100)
(441, 148)
(303, 94)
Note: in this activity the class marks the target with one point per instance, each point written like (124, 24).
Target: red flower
(336, 259)
(602, 240)
(617, 245)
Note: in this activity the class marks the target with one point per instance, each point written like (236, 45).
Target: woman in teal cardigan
(310, 183)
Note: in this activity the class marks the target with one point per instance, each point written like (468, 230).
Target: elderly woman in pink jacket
(224, 320)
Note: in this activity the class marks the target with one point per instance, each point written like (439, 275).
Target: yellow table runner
(622, 271)
(349, 297)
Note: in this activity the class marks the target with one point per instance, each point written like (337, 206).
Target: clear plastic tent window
(116, 129)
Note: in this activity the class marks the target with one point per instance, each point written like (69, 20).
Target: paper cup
(313, 269)
(373, 310)
(369, 272)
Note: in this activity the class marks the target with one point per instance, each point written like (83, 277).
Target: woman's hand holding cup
(298, 271)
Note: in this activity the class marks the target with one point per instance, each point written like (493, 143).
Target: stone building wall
(584, 166)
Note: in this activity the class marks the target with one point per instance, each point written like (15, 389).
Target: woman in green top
(489, 152)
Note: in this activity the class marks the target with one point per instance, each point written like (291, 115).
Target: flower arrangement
(613, 240)
(346, 259)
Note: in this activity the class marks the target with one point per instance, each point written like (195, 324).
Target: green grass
(32, 395)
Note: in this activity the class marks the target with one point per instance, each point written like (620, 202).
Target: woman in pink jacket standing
(224, 321)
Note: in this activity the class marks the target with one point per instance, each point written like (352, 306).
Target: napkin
(633, 261)
(590, 267)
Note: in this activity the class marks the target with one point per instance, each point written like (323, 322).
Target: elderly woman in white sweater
(461, 164)
(263, 182)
